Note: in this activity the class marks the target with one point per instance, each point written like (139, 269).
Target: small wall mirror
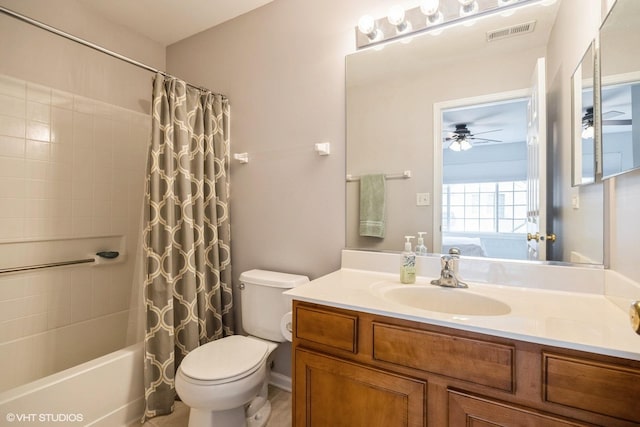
(620, 88)
(583, 133)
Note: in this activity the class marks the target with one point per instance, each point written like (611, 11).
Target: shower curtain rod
(89, 44)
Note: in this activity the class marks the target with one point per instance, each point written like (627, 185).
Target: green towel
(372, 193)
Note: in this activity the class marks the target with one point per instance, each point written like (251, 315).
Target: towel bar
(403, 175)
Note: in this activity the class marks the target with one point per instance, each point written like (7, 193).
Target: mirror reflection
(583, 130)
(620, 88)
(391, 102)
(484, 177)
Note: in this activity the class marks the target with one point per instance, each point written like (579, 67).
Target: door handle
(541, 238)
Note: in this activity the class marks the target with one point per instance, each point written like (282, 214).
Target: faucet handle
(444, 260)
(454, 252)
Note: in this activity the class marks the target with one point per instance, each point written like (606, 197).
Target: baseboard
(281, 381)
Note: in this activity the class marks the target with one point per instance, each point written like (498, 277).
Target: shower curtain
(186, 242)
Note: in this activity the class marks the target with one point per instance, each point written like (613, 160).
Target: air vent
(514, 30)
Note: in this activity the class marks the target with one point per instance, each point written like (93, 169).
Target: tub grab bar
(110, 255)
(48, 265)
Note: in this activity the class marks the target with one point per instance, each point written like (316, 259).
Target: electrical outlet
(423, 199)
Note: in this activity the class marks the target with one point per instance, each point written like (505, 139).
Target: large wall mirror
(468, 89)
(620, 88)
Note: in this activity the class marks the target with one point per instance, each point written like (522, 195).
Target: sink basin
(443, 300)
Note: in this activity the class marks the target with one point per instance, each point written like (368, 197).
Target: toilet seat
(224, 360)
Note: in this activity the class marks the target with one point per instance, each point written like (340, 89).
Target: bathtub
(107, 391)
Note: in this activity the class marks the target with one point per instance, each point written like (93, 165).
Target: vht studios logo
(44, 418)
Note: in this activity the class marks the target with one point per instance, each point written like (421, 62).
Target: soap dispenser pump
(421, 249)
(408, 265)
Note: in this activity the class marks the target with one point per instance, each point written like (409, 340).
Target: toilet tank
(263, 304)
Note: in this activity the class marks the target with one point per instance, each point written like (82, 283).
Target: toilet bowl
(224, 382)
(219, 378)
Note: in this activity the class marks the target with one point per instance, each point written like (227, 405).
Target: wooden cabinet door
(473, 411)
(329, 392)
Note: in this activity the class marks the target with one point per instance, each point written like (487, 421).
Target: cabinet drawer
(476, 411)
(593, 386)
(471, 360)
(337, 330)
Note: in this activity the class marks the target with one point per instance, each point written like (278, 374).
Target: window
(488, 207)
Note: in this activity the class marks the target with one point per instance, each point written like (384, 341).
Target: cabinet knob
(634, 316)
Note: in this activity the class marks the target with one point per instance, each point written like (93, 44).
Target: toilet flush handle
(241, 286)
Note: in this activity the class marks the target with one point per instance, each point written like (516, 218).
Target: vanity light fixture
(431, 16)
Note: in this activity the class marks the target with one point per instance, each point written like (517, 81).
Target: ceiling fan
(462, 137)
(587, 121)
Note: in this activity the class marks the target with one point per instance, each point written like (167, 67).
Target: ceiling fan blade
(486, 131)
(611, 114)
(481, 140)
(620, 122)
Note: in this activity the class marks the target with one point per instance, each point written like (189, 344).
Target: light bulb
(429, 7)
(366, 24)
(395, 15)
(455, 146)
(465, 145)
(588, 132)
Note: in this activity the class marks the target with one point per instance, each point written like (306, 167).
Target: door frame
(438, 107)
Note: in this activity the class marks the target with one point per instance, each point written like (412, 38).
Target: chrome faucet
(449, 273)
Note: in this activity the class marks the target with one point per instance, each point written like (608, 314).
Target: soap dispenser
(421, 249)
(408, 265)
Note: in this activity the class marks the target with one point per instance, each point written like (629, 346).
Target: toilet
(224, 382)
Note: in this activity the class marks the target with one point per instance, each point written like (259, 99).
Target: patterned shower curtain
(187, 289)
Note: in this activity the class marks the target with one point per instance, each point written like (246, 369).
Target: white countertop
(577, 320)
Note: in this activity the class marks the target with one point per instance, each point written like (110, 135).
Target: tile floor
(280, 412)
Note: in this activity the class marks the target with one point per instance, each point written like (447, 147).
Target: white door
(537, 166)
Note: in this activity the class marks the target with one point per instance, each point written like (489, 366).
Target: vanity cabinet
(358, 369)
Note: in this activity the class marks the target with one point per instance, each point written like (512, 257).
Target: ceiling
(168, 21)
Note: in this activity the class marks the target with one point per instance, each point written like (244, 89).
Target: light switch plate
(423, 199)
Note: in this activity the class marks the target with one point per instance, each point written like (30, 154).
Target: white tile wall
(70, 167)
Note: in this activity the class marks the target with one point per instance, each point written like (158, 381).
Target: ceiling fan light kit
(461, 138)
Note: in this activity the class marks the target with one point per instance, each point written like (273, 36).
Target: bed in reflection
(470, 246)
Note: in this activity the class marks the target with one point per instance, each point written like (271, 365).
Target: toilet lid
(225, 358)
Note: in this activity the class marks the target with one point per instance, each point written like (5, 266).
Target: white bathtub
(107, 392)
